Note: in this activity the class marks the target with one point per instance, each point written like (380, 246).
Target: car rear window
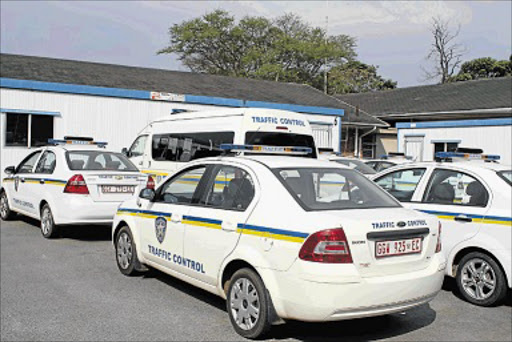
(98, 160)
(506, 175)
(333, 189)
(280, 139)
(358, 165)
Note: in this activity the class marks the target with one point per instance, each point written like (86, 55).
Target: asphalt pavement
(70, 289)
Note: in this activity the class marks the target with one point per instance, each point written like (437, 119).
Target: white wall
(115, 120)
(492, 139)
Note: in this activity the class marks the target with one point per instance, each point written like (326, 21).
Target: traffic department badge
(160, 228)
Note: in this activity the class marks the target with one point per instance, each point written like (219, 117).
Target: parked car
(282, 238)
(72, 181)
(473, 198)
(387, 161)
(352, 163)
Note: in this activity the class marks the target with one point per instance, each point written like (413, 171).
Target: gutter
(361, 140)
(506, 110)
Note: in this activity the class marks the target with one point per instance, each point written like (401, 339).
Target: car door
(460, 199)
(161, 220)
(24, 182)
(45, 186)
(137, 152)
(211, 232)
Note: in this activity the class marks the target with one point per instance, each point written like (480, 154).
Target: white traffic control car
(388, 161)
(282, 238)
(75, 181)
(473, 198)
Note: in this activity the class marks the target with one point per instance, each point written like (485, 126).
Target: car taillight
(327, 246)
(76, 185)
(438, 245)
(151, 183)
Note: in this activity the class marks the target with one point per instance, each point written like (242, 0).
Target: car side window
(455, 188)
(229, 188)
(138, 146)
(401, 184)
(27, 165)
(182, 188)
(47, 163)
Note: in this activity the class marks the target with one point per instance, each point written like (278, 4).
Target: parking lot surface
(70, 289)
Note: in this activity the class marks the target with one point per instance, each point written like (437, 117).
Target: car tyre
(48, 227)
(480, 280)
(126, 253)
(248, 304)
(5, 211)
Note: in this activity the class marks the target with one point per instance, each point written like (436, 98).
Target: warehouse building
(44, 98)
(436, 118)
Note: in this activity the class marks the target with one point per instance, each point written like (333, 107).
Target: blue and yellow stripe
(30, 180)
(273, 233)
(506, 221)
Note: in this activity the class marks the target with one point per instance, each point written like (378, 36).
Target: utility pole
(326, 36)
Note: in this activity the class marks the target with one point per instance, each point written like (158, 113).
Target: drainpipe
(361, 140)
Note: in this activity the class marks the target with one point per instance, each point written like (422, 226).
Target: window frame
(430, 180)
(26, 159)
(130, 153)
(404, 170)
(211, 180)
(41, 159)
(198, 192)
(29, 128)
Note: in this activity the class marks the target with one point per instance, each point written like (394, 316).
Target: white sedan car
(75, 182)
(283, 238)
(474, 201)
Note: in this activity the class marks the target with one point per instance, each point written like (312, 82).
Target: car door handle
(463, 218)
(228, 226)
(22, 180)
(41, 181)
(176, 218)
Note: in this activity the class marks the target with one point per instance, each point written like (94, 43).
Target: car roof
(277, 162)
(77, 147)
(468, 165)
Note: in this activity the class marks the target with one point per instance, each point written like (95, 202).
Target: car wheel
(126, 253)
(480, 280)
(5, 211)
(248, 304)
(48, 227)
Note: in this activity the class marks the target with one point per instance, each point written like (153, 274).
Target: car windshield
(506, 175)
(281, 139)
(358, 165)
(98, 160)
(333, 189)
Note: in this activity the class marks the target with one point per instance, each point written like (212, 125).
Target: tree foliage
(285, 49)
(357, 77)
(485, 67)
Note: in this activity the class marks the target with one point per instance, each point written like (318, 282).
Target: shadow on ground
(76, 232)
(366, 329)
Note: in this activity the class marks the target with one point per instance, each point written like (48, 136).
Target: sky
(394, 35)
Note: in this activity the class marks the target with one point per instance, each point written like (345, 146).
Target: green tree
(357, 77)
(285, 49)
(485, 67)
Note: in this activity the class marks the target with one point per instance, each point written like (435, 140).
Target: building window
(27, 130)
(444, 147)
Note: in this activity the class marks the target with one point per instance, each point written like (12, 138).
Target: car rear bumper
(295, 297)
(81, 209)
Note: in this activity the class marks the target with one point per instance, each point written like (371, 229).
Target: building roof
(136, 78)
(480, 96)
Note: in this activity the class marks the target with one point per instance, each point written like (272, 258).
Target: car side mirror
(10, 170)
(147, 194)
(125, 152)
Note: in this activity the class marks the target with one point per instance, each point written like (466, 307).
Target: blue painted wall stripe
(27, 111)
(146, 95)
(456, 123)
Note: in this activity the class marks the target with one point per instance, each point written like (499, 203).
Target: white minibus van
(169, 142)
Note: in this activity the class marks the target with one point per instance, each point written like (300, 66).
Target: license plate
(117, 189)
(397, 247)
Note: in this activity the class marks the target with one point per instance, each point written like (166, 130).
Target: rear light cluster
(438, 245)
(76, 185)
(327, 246)
(151, 183)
